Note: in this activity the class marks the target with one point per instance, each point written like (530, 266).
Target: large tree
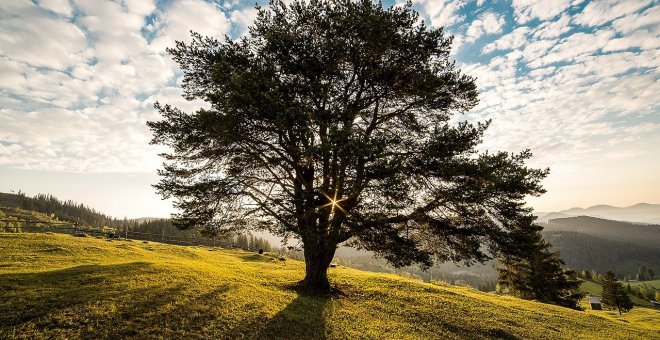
(333, 121)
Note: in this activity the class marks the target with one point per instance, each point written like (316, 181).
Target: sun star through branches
(334, 202)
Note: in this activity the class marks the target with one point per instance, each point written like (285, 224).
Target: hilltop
(638, 213)
(63, 286)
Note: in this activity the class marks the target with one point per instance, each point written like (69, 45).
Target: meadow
(61, 286)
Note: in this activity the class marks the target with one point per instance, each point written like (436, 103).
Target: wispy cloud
(79, 77)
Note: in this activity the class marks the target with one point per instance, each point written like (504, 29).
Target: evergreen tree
(642, 273)
(536, 273)
(614, 295)
(332, 120)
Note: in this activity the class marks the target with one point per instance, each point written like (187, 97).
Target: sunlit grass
(65, 287)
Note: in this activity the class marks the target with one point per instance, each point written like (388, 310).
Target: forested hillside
(583, 251)
(68, 211)
(642, 234)
(48, 208)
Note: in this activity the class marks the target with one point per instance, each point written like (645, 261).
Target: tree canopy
(535, 272)
(614, 295)
(335, 121)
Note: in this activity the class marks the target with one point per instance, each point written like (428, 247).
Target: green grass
(59, 286)
(596, 289)
(650, 283)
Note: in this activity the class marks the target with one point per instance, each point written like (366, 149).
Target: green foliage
(331, 121)
(252, 243)
(596, 289)
(58, 286)
(657, 295)
(536, 273)
(644, 274)
(614, 295)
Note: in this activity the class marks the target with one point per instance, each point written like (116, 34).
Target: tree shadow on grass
(93, 301)
(303, 318)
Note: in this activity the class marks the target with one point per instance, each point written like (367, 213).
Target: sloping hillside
(62, 286)
(616, 230)
(581, 250)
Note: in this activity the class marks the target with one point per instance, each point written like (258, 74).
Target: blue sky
(575, 81)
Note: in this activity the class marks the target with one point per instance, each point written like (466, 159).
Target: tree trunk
(317, 261)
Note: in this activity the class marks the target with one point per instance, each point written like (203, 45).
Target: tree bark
(317, 261)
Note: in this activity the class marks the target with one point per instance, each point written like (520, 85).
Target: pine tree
(642, 273)
(614, 295)
(537, 273)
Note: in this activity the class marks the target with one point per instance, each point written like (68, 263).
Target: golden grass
(59, 286)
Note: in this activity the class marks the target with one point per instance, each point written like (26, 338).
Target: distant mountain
(545, 217)
(642, 234)
(641, 212)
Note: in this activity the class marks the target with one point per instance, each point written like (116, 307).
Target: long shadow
(303, 318)
(93, 301)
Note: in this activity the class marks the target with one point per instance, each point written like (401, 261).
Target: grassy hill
(596, 289)
(60, 286)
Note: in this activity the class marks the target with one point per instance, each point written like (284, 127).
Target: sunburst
(334, 202)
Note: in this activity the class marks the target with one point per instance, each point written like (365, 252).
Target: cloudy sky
(576, 81)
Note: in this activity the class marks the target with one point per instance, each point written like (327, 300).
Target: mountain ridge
(639, 213)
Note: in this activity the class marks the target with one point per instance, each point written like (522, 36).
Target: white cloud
(575, 45)
(61, 7)
(243, 18)
(643, 39)
(515, 39)
(650, 19)
(441, 12)
(79, 82)
(487, 23)
(597, 13)
(553, 29)
(526, 10)
(40, 40)
(176, 22)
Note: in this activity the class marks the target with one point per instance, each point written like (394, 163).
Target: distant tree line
(68, 211)
(639, 288)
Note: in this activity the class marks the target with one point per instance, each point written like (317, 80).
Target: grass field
(596, 289)
(60, 286)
